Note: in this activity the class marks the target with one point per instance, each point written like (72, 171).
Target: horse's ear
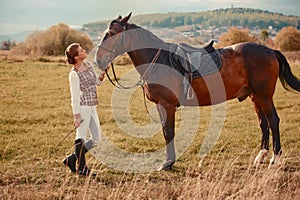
(120, 17)
(129, 15)
(125, 20)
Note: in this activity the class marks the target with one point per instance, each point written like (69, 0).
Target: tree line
(245, 17)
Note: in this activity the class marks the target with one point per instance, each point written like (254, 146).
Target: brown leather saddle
(190, 49)
(195, 62)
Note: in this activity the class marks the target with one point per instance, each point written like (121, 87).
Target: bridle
(111, 56)
(111, 52)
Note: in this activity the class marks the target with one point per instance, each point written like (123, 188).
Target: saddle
(201, 61)
(190, 49)
(195, 62)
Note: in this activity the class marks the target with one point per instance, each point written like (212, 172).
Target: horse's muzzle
(101, 65)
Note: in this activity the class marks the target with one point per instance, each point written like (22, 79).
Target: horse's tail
(285, 74)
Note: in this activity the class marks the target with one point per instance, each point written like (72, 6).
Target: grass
(36, 115)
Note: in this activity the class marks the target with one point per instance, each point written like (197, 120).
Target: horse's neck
(142, 45)
(142, 56)
(141, 59)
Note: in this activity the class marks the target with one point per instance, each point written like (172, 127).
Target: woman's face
(81, 53)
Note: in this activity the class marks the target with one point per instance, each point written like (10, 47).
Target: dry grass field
(36, 115)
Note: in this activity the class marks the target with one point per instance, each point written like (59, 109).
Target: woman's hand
(101, 76)
(77, 120)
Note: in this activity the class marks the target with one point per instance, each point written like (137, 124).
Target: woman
(83, 81)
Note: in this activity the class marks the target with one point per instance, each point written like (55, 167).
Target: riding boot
(70, 161)
(80, 152)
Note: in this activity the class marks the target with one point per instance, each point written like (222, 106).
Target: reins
(138, 83)
(118, 84)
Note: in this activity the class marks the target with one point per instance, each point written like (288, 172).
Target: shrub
(235, 35)
(43, 59)
(52, 42)
(7, 45)
(264, 34)
(288, 38)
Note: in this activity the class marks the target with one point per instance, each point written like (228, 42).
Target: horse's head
(112, 43)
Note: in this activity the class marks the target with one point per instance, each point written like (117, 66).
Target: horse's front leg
(167, 117)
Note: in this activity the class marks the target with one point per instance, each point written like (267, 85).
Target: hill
(18, 37)
(245, 17)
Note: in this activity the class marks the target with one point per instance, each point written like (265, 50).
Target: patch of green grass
(36, 115)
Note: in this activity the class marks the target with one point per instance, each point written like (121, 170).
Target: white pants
(90, 123)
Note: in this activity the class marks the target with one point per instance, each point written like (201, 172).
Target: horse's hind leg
(260, 158)
(268, 108)
(274, 125)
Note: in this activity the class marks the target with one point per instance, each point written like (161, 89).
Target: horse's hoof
(260, 158)
(275, 161)
(167, 165)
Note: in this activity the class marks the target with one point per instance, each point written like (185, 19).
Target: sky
(17, 16)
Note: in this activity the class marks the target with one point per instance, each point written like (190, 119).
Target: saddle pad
(202, 62)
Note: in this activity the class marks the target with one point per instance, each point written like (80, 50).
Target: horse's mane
(145, 35)
(143, 38)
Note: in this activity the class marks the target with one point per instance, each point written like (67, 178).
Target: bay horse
(247, 70)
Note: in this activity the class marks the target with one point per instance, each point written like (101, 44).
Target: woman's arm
(75, 97)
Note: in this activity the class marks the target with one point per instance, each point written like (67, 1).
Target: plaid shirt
(88, 82)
